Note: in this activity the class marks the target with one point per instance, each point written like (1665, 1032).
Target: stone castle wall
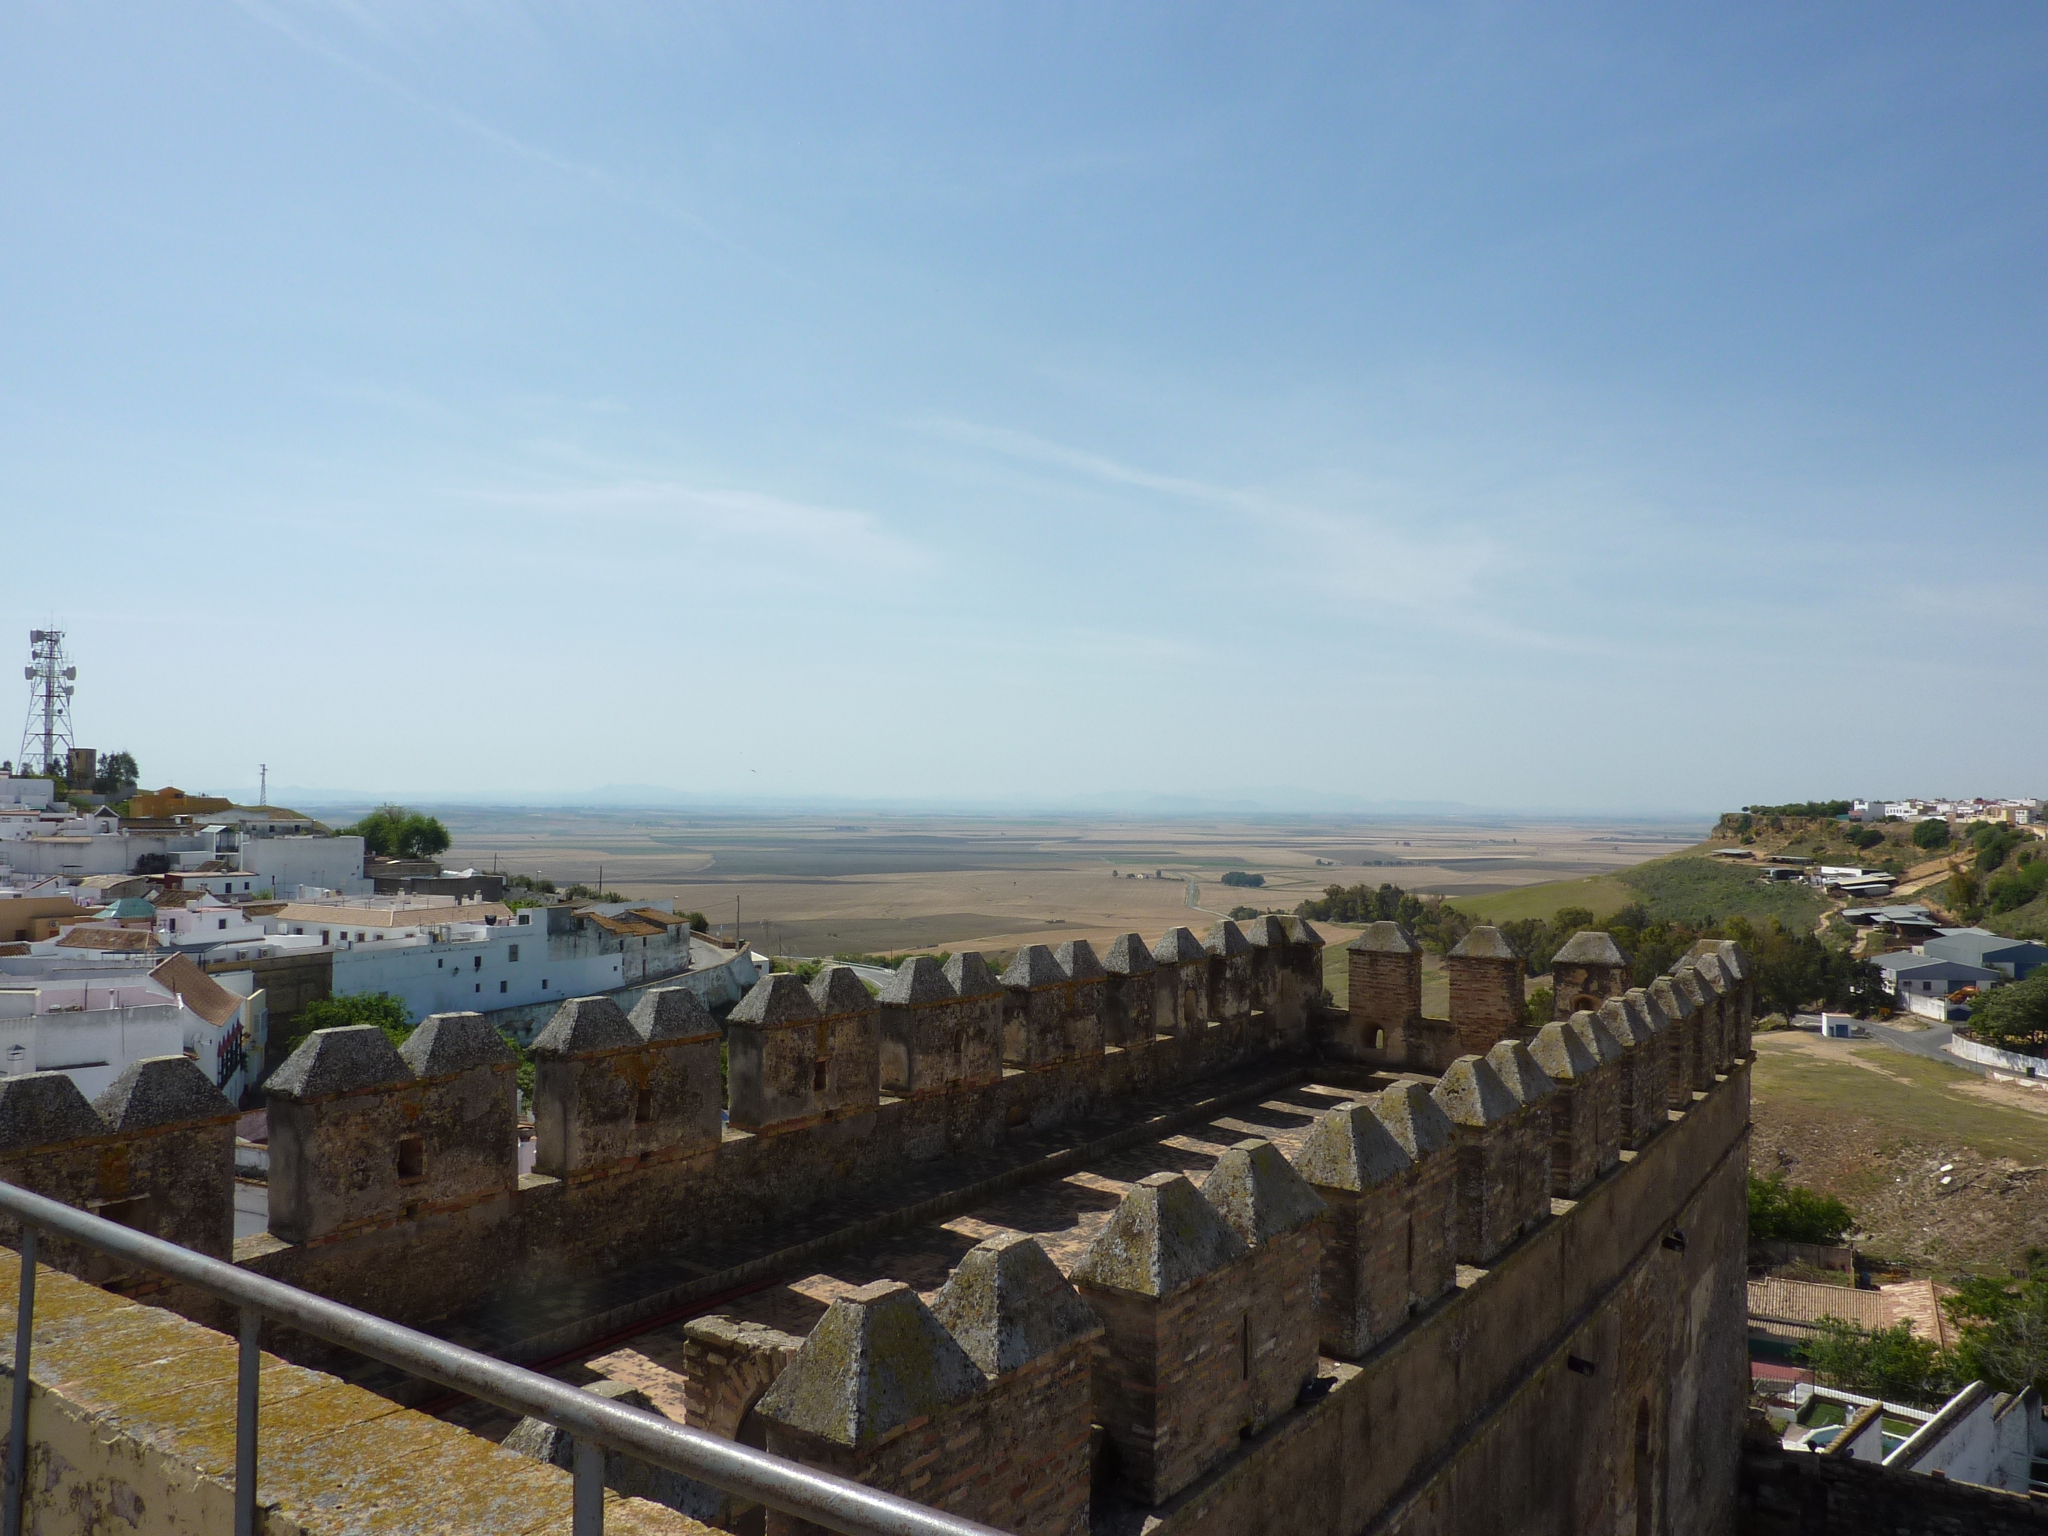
(1289, 1347)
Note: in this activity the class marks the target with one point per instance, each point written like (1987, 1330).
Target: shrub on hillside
(1790, 1213)
(1931, 834)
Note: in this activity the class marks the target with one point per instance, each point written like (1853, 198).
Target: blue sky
(1553, 407)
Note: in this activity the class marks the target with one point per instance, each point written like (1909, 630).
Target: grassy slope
(1882, 1130)
(1681, 887)
(1603, 895)
(1691, 888)
(2028, 922)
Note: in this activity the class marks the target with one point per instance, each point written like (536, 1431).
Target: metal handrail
(597, 1424)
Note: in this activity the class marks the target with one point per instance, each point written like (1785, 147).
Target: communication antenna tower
(47, 734)
(263, 783)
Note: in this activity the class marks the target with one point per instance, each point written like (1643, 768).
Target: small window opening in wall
(543, 983)
(822, 1054)
(438, 962)
(412, 1157)
(479, 986)
(476, 962)
(131, 1212)
(223, 923)
(511, 951)
(1379, 1039)
(1244, 1345)
(503, 985)
(643, 1106)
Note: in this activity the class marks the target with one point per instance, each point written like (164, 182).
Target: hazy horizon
(1575, 410)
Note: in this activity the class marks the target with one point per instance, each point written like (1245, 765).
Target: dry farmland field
(816, 885)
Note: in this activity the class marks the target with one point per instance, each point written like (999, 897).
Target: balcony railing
(594, 1423)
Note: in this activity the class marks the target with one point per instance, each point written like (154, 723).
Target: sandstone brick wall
(1170, 1383)
(1487, 1003)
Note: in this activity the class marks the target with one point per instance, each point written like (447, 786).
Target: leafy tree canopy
(397, 833)
(1893, 1363)
(117, 772)
(2015, 1017)
(1790, 1213)
(378, 1008)
(1239, 877)
(1931, 833)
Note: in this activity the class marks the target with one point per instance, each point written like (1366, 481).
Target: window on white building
(502, 986)
(512, 951)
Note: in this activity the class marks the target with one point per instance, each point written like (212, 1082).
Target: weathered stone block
(1130, 993)
(1034, 1338)
(468, 1105)
(1363, 1175)
(1173, 1371)
(343, 1148)
(1279, 1217)
(1535, 1093)
(1487, 1131)
(882, 1394)
(1227, 996)
(1486, 991)
(612, 1090)
(777, 1051)
(1416, 1121)
(847, 1077)
(1181, 984)
(1385, 993)
(1051, 1015)
(1575, 1107)
(1605, 1084)
(1588, 970)
(1685, 1065)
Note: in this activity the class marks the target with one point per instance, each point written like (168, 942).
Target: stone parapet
(1131, 993)
(1587, 971)
(1385, 996)
(1183, 983)
(1280, 1219)
(1227, 995)
(1487, 1004)
(1575, 1107)
(1492, 1139)
(1172, 1372)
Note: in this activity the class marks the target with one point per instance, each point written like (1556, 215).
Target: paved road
(1918, 1042)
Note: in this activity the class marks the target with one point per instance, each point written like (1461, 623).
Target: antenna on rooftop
(49, 702)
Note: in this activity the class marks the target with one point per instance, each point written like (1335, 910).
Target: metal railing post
(17, 1423)
(587, 1518)
(248, 1374)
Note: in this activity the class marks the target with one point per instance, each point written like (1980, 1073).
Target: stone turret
(154, 1152)
(846, 1075)
(1606, 1083)
(1486, 991)
(775, 1043)
(1385, 993)
(1589, 969)
(1279, 1217)
(880, 1393)
(1362, 1174)
(1681, 1009)
(1029, 1332)
(1045, 1020)
(1418, 1123)
(685, 1096)
(1487, 1131)
(1228, 996)
(343, 1152)
(1130, 993)
(1537, 1095)
(468, 1118)
(1183, 983)
(1164, 1276)
(1575, 1118)
(1287, 974)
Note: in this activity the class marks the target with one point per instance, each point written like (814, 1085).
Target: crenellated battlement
(1461, 1224)
(1206, 1319)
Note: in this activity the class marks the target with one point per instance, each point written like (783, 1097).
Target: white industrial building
(89, 1017)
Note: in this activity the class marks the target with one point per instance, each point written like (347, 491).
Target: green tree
(1931, 834)
(1239, 877)
(117, 774)
(1965, 894)
(395, 832)
(1893, 1363)
(1791, 1213)
(378, 1008)
(2014, 1017)
(1541, 1003)
(2002, 1328)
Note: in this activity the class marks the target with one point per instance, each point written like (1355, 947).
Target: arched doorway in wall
(1586, 1002)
